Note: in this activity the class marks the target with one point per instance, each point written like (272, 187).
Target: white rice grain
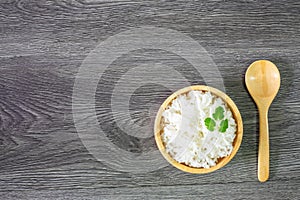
(185, 135)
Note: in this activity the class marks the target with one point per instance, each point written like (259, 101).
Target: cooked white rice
(186, 136)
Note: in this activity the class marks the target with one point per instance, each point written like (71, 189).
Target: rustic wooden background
(42, 45)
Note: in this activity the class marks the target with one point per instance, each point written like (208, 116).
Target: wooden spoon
(263, 82)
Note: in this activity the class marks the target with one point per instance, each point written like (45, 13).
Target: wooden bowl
(158, 129)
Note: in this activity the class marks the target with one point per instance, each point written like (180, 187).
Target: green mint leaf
(219, 113)
(223, 126)
(210, 123)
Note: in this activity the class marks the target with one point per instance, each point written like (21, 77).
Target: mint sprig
(217, 115)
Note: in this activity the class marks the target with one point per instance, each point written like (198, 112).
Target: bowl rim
(236, 143)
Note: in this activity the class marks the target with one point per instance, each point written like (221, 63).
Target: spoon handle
(263, 149)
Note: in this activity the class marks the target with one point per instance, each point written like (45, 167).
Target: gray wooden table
(48, 136)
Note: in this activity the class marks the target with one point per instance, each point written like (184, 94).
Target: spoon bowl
(263, 81)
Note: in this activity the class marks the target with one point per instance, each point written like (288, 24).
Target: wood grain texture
(42, 45)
